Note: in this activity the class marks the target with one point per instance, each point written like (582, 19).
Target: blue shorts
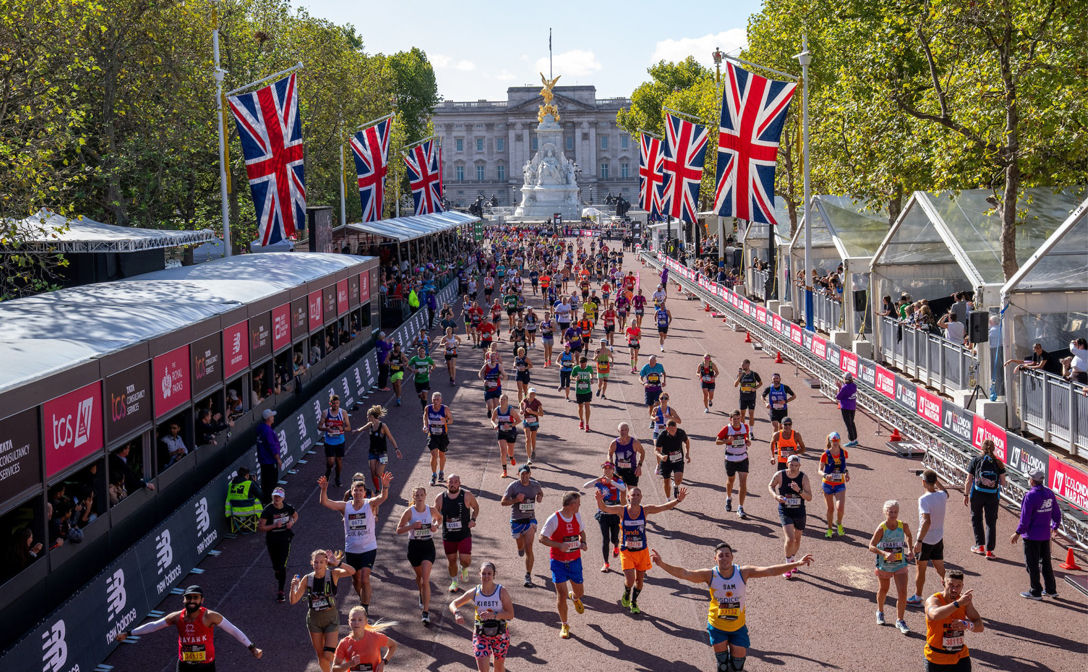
(493, 394)
(566, 571)
(738, 637)
(519, 528)
(830, 489)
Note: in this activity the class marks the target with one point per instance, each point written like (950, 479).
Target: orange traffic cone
(706, 307)
(747, 337)
(778, 359)
(1071, 562)
(895, 435)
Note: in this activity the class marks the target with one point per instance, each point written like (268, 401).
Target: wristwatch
(956, 604)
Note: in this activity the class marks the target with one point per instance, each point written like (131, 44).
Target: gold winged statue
(547, 108)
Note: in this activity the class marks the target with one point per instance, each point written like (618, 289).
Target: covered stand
(753, 241)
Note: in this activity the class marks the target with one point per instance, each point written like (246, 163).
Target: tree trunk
(1011, 153)
(895, 205)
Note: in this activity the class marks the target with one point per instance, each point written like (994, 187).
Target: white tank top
(359, 532)
(735, 450)
(485, 602)
(424, 532)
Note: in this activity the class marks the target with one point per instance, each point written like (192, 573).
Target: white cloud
(505, 76)
(700, 47)
(444, 62)
(573, 63)
(465, 66)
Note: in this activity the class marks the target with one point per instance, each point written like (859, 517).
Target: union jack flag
(424, 177)
(753, 112)
(271, 132)
(650, 176)
(370, 147)
(685, 151)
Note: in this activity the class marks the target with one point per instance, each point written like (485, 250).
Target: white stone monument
(550, 185)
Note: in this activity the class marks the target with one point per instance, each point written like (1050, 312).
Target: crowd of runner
(587, 301)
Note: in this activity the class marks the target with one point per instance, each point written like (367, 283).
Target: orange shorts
(637, 560)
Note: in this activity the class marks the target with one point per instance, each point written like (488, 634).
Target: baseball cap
(194, 590)
(279, 492)
(532, 390)
(606, 463)
(833, 436)
(524, 468)
(268, 413)
(1038, 476)
(793, 458)
(787, 420)
(929, 476)
(233, 394)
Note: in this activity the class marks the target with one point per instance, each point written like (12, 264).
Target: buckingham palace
(486, 143)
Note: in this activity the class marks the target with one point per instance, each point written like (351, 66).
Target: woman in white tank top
(494, 609)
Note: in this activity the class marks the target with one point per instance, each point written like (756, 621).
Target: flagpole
(741, 61)
(219, 73)
(374, 121)
(297, 66)
(805, 58)
(418, 142)
(694, 119)
(343, 211)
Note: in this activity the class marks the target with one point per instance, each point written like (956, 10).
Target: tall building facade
(485, 144)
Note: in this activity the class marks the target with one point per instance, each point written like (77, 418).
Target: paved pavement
(823, 619)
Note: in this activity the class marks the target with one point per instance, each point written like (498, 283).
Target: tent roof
(843, 223)
(963, 228)
(46, 232)
(1061, 263)
(49, 333)
(404, 229)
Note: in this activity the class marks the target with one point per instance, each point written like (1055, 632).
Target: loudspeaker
(860, 300)
(978, 326)
(738, 258)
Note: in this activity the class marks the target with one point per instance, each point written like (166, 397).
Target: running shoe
(902, 625)
(598, 393)
(979, 550)
(420, 595)
(280, 597)
(581, 425)
(657, 472)
(990, 555)
(434, 479)
(830, 533)
(1028, 595)
(513, 462)
(849, 444)
(528, 580)
(587, 429)
(605, 567)
(426, 618)
(880, 618)
(453, 585)
(464, 575)
(625, 601)
(788, 575)
(578, 606)
(712, 404)
(728, 504)
(633, 370)
(338, 484)
(441, 477)
(914, 601)
(706, 410)
(840, 530)
(616, 552)
(634, 609)
(504, 474)
(398, 401)
(564, 631)
(741, 514)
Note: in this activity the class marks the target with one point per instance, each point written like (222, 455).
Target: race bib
(747, 389)
(437, 429)
(833, 478)
(792, 501)
(193, 653)
(634, 544)
(708, 378)
(623, 464)
(571, 544)
(453, 524)
(363, 667)
(357, 523)
(422, 533)
(383, 459)
(676, 457)
(952, 640)
(778, 405)
(319, 603)
(526, 506)
(729, 610)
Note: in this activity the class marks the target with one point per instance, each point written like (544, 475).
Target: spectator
(23, 550)
(268, 454)
(887, 309)
(1036, 361)
(83, 507)
(1039, 516)
(117, 491)
(298, 364)
(174, 444)
(119, 464)
(985, 477)
(315, 353)
(953, 326)
(847, 397)
(901, 307)
(258, 389)
(1075, 367)
(234, 405)
(60, 526)
(384, 347)
(209, 424)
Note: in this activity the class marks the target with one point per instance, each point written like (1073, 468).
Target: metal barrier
(947, 452)
(758, 287)
(934, 360)
(826, 312)
(1055, 410)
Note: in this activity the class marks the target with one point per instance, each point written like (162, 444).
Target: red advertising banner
(364, 287)
(982, 429)
(1069, 483)
(885, 382)
(281, 326)
(848, 362)
(170, 380)
(796, 335)
(72, 427)
(761, 314)
(778, 324)
(341, 297)
(314, 303)
(929, 406)
(819, 347)
(235, 348)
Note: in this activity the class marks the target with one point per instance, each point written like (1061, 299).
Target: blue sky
(480, 48)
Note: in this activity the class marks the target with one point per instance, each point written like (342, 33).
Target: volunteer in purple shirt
(848, 404)
(268, 455)
(1039, 515)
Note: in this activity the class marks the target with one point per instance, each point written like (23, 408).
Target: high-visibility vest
(240, 501)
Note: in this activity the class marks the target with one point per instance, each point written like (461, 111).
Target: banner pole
(219, 74)
(805, 58)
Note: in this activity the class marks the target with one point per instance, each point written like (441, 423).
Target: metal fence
(934, 360)
(1055, 410)
(758, 287)
(826, 312)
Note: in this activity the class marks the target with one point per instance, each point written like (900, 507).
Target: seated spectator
(234, 405)
(953, 327)
(298, 364)
(83, 507)
(22, 550)
(119, 464)
(1075, 367)
(209, 424)
(258, 389)
(116, 489)
(315, 353)
(60, 526)
(174, 444)
(1036, 361)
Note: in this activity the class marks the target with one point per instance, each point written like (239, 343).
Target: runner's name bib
(195, 653)
(571, 544)
(357, 524)
(676, 457)
(778, 405)
(422, 533)
(833, 478)
(623, 464)
(280, 520)
(453, 524)
(363, 667)
(747, 389)
(792, 501)
(952, 639)
(526, 506)
(729, 610)
(383, 459)
(708, 378)
(634, 543)
(319, 603)
(896, 549)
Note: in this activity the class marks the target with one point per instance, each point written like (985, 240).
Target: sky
(481, 47)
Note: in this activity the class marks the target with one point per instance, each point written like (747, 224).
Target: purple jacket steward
(848, 397)
(1039, 514)
(268, 444)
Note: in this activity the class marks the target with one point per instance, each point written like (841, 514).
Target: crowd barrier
(932, 359)
(80, 634)
(1055, 409)
(950, 434)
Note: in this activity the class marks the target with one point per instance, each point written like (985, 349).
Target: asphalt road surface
(822, 619)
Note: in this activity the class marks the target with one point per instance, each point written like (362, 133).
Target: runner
(436, 425)
(380, 436)
(573, 336)
(608, 317)
(981, 491)
(653, 380)
(949, 614)
(449, 343)
(622, 306)
(534, 278)
(639, 303)
(565, 362)
(671, 446)
(532, 323)
(467, 304)
(531, 413)
(494, 608)
(613, 490)
(545, 282)
(791, 489)
(777, 398)
(708, 373)
(660, 414)
(522, 366)
(547, 337)
(492, 374)
(459, 509)
(728, 583)
(485, 332)
(589, 307)
(322, 614)
(583, 391)
(929, 546)
(421, 522)
(660, 295)
(634, 556)
(398, 361)
(362, 649)
(477, 318)
(196, 632)
(736, 437)
(565, 535)
(749, 383)
(334, 422)
(663, 317)
(360, 528)
(785, 442)
(522, 496)
(604, 359)
(835, 477)
(505, 419)
(276, 522)
(627, 454)
(892, 544)
(422, 365)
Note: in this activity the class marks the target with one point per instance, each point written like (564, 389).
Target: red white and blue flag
(650, 176)
(271, 133)
(370, 147)
(424, 177)
(753, 112)
(685, 151)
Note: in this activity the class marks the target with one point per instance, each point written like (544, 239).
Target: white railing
(934, 360)
(758, 287)
(1055, 410)
(826, 312)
